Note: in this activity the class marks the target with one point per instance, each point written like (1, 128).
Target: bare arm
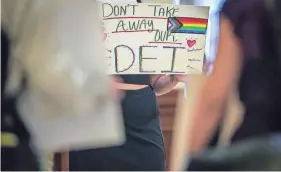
(163, 84)
(208, 108)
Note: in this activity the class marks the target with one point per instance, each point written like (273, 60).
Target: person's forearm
(164, 85)
(207, 115)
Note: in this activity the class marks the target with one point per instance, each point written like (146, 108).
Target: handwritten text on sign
(154, 39)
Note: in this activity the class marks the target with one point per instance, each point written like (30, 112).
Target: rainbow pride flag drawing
(187, 25)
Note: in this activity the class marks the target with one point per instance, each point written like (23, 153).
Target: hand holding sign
(181, 78)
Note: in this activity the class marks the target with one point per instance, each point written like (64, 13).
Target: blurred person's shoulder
(242, 4)
(245, 15)
(234, 9)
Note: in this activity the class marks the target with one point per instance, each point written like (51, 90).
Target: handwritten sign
(154, 38)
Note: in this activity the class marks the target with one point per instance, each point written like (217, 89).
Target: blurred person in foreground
(47, 75)
(247, 59)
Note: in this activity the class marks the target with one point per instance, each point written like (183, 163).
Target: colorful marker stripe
(187, 25)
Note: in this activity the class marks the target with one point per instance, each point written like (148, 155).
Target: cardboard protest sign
(154, 38)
